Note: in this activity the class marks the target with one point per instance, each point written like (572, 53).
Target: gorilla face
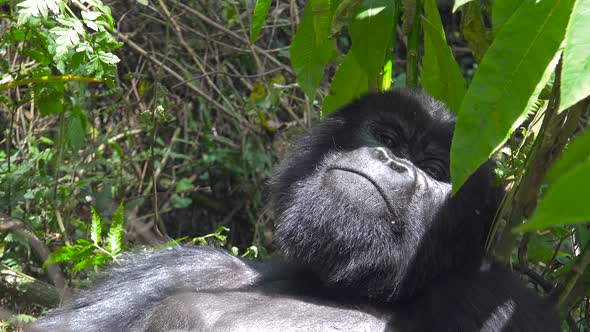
(364, 198)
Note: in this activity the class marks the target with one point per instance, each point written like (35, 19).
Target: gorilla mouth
(367, 177)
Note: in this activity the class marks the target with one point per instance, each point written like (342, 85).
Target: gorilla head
(364, 199)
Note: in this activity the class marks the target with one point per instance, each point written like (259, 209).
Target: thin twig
(218, 26)
(196, 59)
(567, 296)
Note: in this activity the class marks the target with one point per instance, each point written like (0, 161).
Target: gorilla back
(370, 240)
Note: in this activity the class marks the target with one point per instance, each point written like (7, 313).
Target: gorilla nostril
(397, 167)
(381, 154)
(385, 156)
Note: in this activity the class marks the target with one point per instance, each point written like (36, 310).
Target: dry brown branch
(194, 55)
(193, 87)
(27, 288)
(232, 34)
(13, 225)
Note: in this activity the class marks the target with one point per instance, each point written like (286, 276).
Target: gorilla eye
(387, 139)
(435, 168)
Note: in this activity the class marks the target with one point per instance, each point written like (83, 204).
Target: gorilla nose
(384, 155)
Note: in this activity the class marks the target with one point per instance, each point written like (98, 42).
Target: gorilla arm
(261, 310)
(491, 299)
(130, 292)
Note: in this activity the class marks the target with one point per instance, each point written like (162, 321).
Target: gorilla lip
(368, 178)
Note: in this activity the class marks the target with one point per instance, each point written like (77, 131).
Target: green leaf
(387, 79)
(260, 13)
(36, 8)
(566, 201)
(70, 254)
(441, 75)
(90, 15)
(95, 227)
(502, 11)
(184, 185)
(115, 236)
(108, 58)
(49, 97)
(344, 14)
(22, 318)
(311, 49)
(578, 151)
(371, 32)
(349, 82)
(107, 18)
(581, 235)
(62, 254)
(38, 55)
(15, 35)
(98, 259)
(540, 249)
(220, 236)
(180, 202)
(575, 73)
(66, 39)
(459, 3)
(511, 75)
(84, 243)
(104, 41)
(76, 122)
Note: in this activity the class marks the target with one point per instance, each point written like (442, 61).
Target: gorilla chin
(370, 240)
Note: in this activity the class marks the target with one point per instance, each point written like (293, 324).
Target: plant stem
(567, 296)
(50, 79)
(413, 50)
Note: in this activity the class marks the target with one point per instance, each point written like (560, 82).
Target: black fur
(371, 240)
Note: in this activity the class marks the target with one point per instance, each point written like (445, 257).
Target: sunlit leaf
(99, 259)
(311, 49)
(511, 75)
(349, 82)
(502, 11)
(459, 3)
(344, 14)
(36, 8)
(440, 75)
(575, 73)
(260, 13)
(578, 151)
(108, 58)
(95, 227)
(115, 235)
(566, 201)
(371, 31)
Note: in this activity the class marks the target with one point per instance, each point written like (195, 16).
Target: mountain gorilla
(371, 240)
